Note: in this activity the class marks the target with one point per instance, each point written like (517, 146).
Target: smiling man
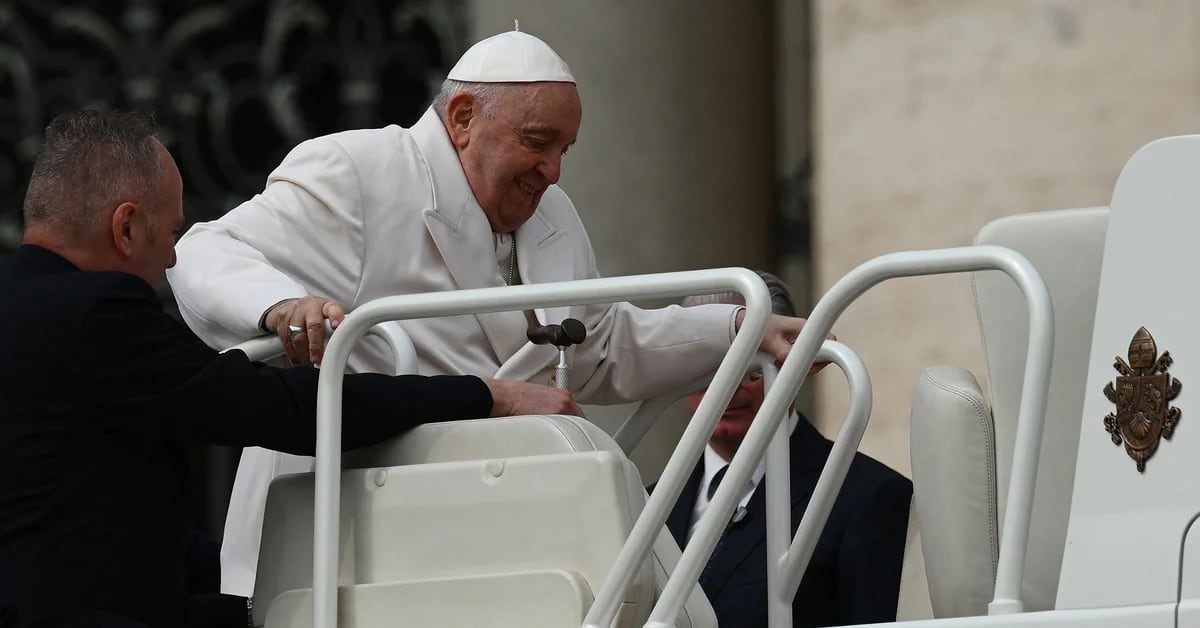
(465, 198)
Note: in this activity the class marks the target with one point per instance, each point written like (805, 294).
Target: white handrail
(779, 503)
(782, 562)
(634, 428)
(267, 347)
(785, 556)
(788, 558)
(791, 561)
(1030, 417)
(259, 349)
(582, 292)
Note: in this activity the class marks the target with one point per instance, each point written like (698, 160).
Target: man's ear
(460, 112)
(123, 228)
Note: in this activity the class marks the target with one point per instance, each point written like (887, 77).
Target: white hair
(487, 95)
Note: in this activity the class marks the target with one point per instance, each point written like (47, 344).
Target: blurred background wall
(933, 117)
(798, 136)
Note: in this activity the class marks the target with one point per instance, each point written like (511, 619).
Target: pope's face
(511, 157)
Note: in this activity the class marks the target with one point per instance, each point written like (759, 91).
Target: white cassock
(365, 214)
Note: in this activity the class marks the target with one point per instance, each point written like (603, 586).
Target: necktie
(712, 490)
(716, 481)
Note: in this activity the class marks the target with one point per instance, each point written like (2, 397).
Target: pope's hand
(781, 334)
(300, 325)
(512, 398)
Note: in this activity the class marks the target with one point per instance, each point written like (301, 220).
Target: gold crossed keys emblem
(1143, 393)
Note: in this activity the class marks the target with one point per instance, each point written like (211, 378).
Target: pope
(467, 197)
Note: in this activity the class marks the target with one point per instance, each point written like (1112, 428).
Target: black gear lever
(569, 332)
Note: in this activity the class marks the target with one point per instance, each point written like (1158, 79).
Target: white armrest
(954, 482)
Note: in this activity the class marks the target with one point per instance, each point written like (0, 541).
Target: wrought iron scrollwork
(234, 84)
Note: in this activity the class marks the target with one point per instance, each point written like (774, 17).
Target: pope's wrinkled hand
(300, 326)
(512, 398)
(781, 334)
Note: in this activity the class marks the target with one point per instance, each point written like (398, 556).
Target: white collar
(713, 462)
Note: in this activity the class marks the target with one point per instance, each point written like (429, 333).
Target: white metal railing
(638, 423)
(268, 347)
(787, 561)
(788, 558)
(789, 571)
(476, 301)
(1030, 420)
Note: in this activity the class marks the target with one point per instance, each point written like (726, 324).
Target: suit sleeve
(150, 375)
(302, 235)
(872, 554)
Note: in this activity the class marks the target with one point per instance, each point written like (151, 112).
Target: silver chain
(512, 260)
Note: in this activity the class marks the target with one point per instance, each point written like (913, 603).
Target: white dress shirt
(713, 462)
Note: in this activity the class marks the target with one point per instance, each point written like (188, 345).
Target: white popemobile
(1066, 497)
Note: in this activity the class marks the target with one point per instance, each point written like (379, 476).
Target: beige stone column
(792, 237)
(673, 167)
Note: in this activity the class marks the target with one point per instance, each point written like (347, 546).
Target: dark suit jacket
(99, 390)
(854, 574)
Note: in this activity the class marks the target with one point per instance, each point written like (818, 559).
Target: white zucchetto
(511, 57)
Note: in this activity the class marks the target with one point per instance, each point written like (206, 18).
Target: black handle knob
(570, 332)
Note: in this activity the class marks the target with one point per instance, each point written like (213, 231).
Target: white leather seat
(470, 514)
(962, 439)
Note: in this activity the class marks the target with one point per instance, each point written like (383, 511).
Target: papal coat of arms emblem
(1143, 393)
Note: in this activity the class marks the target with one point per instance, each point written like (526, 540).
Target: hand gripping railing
(405, 354)
(1030, 417)
(582, 292)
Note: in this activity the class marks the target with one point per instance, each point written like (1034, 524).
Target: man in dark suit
(101, 390)
(854, 574)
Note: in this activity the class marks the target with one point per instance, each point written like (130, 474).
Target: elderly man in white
(465, 198)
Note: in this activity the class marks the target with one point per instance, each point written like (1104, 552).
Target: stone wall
(935, 116)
